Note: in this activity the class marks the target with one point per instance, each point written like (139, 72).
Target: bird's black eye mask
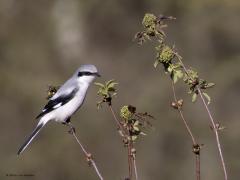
(87, 73)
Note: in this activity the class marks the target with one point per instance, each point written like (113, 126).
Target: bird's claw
(72, 130)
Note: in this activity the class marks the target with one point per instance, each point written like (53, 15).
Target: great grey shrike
(66, 101)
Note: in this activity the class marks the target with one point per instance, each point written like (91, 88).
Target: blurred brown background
(44, 42)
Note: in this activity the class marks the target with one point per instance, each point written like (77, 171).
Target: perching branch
(88, 155)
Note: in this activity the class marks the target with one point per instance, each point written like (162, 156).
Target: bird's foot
(72, 130)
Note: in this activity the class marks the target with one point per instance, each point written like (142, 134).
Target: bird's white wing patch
(57, 105)
(57, 102)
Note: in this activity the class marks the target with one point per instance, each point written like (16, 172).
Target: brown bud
(196, 149)
(174, 105)
(125, 141)
(89, 158)
(180, 102)
(134, 151)
(89, 155)
(220, 127)
(132, 109)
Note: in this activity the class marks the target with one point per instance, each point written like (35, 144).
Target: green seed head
(166, 55)
(125, 113)
(149, 20)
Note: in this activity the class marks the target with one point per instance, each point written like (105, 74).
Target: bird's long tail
(32, 136)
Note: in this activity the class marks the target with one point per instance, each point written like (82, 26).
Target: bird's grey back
(71, 83)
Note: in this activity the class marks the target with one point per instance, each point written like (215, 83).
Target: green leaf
(99, 84)
(142, 133)
(136, 128)
(111, 89)
(136, 123)
(207, 97)
(147, 36)
(159, 47)
(179, 74)
(209, 85)
(174, 77)
(112, 84)
(99, 104)
(134, 138)
(109, 82)
(170, 69)
(104, 92)
(194, 97)
(156, 63)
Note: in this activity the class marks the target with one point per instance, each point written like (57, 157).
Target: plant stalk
(88, 156)
(197, 154)
(215, 129)
(212, 122)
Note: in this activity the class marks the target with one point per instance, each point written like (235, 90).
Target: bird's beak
(97, 74)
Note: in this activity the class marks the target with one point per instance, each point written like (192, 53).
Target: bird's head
(87, 73)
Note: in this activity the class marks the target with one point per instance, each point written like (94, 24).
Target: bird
(66, 101)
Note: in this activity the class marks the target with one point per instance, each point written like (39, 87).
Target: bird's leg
(72, 129)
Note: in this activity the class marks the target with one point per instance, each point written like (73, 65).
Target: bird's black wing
(56, 103)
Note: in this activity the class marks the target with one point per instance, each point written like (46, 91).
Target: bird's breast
(68, 109)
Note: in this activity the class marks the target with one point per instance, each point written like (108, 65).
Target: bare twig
(88, 155)
(215, 129)
(129, 161)
(212, 122)
(135, 168)
(195, 145)
(197, 166)
(181, 114)
(134, 163)
(119, 125)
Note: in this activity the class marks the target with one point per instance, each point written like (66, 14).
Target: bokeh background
(44, 42)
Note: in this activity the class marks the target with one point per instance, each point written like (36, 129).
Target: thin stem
(215, 129)
(115, 117)
(129, 161)
(212, 122)
(135, 166)
(195, 145)
(88, 155)
(197, 166)
(181, 114)
(180, 60)
(120, 126)
(129, 145)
